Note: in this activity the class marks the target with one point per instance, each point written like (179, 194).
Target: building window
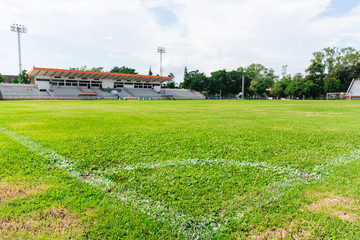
(138, 85)
(118, 84)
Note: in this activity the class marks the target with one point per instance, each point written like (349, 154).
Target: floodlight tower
(161, 50)
(19, 29)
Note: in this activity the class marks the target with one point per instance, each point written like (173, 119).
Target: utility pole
(19, 29)
(220, 87)
(243, 87)
(161, 50)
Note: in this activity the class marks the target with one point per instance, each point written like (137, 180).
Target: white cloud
(207, 35)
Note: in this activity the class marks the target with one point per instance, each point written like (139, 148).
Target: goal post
(335, 95)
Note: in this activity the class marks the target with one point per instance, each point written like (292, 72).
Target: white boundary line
(260, 165)
(178, 220)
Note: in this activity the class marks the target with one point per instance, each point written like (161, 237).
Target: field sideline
(179, 169)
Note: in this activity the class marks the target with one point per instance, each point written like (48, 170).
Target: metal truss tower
(19, 29)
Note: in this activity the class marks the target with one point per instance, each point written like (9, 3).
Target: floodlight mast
(18, 28)
(161, 50)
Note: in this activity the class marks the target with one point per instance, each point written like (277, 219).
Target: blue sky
(207, 35)
(340, 7)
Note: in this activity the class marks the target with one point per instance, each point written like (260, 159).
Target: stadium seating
(31, 91)
(145, 93)
(65, 92)
(104, 95)
(22, 91)
(80, 93)
(182, 94)
(125, 94)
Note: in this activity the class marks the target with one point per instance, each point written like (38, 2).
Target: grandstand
(354, 90)
(10, 91)
(182, 94)
(146, 93)
(49, 83)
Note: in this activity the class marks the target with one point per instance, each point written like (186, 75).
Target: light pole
(221, 79)
(243, 87)
(19, 29)
(161, 50)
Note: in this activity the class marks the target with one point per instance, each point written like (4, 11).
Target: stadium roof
(65, 73)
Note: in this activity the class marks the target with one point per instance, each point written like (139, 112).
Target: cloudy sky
(201, 34)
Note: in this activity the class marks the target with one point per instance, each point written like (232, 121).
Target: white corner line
(179, 221)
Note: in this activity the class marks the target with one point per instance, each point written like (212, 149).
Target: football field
(225, 169)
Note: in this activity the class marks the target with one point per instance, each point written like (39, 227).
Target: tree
(2, 79)
(228, 82)
(171, 83)
(333, 65)
(186, 78)
(331, 83)
(85, 68)
(195, 80)
(317, 71)
(301, 88)
(217, 83)
(347, 67)
(123, 69)
(23, 77)
(150, 72)
(234, 86)
(261, 77)
(284, 70)
(278, 90)
(97, 69)
(261, 85)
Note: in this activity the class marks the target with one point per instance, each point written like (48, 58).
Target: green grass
(179, 169)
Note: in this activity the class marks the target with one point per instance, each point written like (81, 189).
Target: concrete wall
(10, 78)
(157, 88)
(43, 85)
(107, 83)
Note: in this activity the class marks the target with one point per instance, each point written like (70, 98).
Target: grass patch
(9, 191)
(338, 206)
(180, 169)
(58, 222)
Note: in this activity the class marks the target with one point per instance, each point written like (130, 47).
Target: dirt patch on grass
(55, 221)
(331, 201)
(10, 191)
(285, 233)
(348, 216)
(89, 176)
(272, 234)
(338, 206)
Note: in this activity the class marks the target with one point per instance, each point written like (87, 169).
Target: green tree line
(330, 70)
